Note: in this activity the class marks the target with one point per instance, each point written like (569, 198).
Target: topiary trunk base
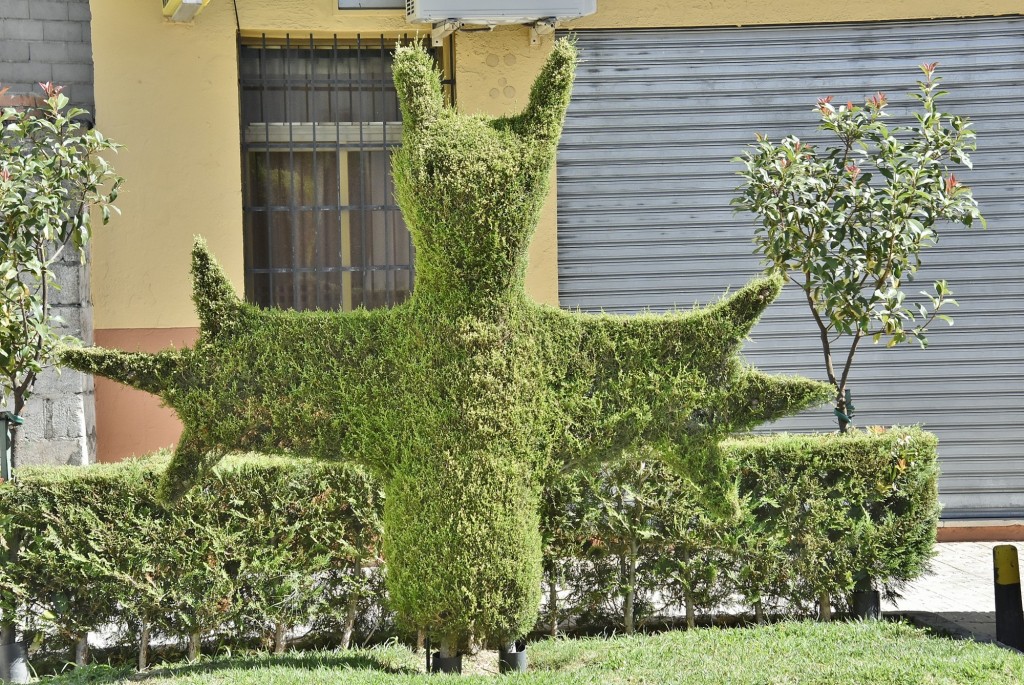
(513, 661)
(867, 604)
(445, 664)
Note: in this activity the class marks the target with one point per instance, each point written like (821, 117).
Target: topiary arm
(418, 84)
(672, 380)
(757, 398)
(272, 381)
(141, 370)
(219, 312)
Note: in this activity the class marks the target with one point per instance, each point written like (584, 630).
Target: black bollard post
(1009, 614)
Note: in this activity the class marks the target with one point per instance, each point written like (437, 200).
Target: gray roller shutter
(645, 179)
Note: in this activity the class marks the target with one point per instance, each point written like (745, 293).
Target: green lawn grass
(874, 652)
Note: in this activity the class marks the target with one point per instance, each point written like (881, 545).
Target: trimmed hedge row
(271, 543)
(822, 516)
(264, 544)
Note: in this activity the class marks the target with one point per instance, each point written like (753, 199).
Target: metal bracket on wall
(542, 27)
(183, 11)
(442, 30)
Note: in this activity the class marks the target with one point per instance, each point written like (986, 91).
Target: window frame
(362, 135)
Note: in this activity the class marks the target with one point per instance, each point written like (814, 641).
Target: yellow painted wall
(681, 13)
(169, 93)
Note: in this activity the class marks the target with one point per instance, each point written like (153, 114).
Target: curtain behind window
(321, 228)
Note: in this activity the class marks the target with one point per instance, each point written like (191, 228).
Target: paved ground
(957, 596)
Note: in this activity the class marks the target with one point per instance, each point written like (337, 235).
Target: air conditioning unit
(492, 12)
(183, 10)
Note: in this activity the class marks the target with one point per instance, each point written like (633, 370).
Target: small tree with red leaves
(52, 175)
(847, 223)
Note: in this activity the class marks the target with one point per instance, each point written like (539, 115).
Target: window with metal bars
(319, 121)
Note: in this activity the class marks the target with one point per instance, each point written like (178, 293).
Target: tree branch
(849, 361)
(826, 346)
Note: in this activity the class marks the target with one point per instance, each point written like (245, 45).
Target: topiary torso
(466, 396)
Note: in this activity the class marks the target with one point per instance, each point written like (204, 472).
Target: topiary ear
(744, 308)
(215, 299)
(549, 96)
(419, 87)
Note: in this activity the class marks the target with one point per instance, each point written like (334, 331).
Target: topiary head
(471, 187)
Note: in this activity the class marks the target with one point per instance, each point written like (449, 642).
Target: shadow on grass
(362, 661)
(979, 626)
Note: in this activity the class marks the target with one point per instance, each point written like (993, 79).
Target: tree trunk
(350, 611)
(759, 613)
(630, 600)
(195, 641)
(19, 405)
(844, 425)
(280, 638)
(82, 650)
(824, 607)
(8, 635)
(8, 629)
(844, 403)
(421, 639)
(691, 615)
(553, 606)
(144, 646)
(8, 625)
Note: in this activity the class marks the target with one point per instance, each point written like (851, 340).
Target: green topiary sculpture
(462, 398)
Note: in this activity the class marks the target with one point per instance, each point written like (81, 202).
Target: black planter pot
(513, 662)
(451, 664)
(867, 604)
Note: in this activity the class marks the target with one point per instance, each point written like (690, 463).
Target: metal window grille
(319, 121)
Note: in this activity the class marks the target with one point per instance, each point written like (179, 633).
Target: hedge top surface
(464, 397)
(155, 464)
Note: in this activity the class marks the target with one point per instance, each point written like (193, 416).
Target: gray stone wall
(50, 40)
(47, 40)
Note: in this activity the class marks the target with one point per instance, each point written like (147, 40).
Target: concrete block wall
(50, 40)
(47, 40)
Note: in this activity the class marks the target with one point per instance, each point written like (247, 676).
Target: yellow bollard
(1009, 613)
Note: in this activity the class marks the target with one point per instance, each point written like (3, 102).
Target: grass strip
(780, 654)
